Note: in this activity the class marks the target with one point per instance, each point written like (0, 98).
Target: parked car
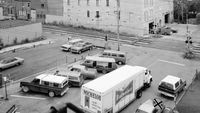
(47, 83)
(75, 77)
(151, 106)
(67, 47)
(88, 73)
(10, 62)
(171, 86)
(82, 47)
(154, 106)
(119, 56)
(101, 64)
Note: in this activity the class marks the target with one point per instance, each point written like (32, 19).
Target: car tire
(104, 71)
(25, 89)
(120, 62)
(139, 94)
(79, 52)
(51, 94)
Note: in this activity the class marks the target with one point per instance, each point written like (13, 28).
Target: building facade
(135, 16)
(39, 10)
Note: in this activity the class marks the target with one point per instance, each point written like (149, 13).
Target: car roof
(101, 59)
(78, 66)
(52, 78)
(75, 40)
(147, 106)
(170, 79)
(114, 51)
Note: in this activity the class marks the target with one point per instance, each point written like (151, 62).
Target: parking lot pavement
(160, 62)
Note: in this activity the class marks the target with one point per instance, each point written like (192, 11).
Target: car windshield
(5, 61)
(76, 70)
(167, 85)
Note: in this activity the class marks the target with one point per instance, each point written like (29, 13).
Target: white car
(10, 62)
(67, 47)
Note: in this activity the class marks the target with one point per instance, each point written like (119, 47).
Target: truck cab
(171, 86)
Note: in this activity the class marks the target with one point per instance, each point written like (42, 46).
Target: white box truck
(112, 92)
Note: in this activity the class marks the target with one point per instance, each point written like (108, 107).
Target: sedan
(10, 62)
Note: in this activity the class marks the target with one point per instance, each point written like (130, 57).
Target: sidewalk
(28, 45)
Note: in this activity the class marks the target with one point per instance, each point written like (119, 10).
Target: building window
(97, 14)
(88, 2)
(97, 2)
(68, 2)
(78, 2)
(107, 3)
(88, 13)
(42, 5)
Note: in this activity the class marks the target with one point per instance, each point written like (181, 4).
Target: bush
(198, 18)
(15, 41)
(26, 40)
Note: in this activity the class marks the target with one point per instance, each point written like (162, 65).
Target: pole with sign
(6, 94)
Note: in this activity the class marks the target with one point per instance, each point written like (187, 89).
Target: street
(163, 58)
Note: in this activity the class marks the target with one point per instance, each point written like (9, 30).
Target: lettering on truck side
(124, 91)
(93, 95)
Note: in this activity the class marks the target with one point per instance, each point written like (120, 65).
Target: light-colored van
(102, 64)
(119, 56)
(67, 47)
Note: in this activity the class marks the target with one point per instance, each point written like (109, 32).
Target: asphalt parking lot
(160, 62)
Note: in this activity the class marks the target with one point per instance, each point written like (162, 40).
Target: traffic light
(106, 38)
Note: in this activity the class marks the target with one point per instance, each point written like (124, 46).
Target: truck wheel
(25, 89)
(51, 94)
(139, 94)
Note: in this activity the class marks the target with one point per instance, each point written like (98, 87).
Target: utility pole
(118, 17)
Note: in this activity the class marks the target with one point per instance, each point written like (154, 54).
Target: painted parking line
(170, 62)
(37, 98)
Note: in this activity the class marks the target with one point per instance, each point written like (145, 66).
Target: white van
(102, 64)
(67, 47)
(119, 56)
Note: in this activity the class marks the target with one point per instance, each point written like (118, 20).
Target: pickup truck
(81, 47)
(47, 83)
(171, 86)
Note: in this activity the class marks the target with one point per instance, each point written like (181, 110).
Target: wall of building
(30, 31)
(135, 15)
(55, 7)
